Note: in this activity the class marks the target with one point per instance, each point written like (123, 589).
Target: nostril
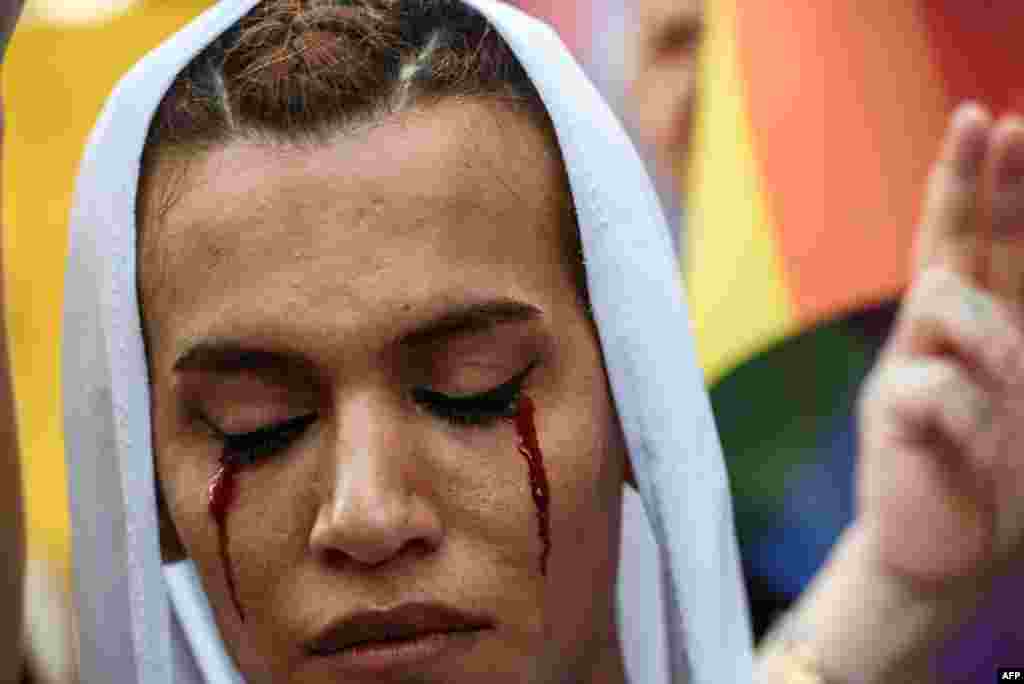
(414, 548)
(335, 556)
(418, 548)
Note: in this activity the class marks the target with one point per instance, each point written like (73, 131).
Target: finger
(1007, 475)
(931, 530)
(1005, 276)
(931, 395)
(944, 314)
(935, 421)
(949, 234)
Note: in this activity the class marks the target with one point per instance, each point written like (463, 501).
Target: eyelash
(248, 447)
(478, 410)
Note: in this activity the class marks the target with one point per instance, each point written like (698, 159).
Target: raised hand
(941, 471)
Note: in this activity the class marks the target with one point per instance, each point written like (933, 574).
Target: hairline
(177, 159)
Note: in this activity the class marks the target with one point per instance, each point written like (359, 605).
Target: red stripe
(979, 48)
(846, 115)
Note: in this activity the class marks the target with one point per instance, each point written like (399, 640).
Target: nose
(376, 508)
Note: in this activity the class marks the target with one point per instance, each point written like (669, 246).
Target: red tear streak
(222, 495)
(529, 447)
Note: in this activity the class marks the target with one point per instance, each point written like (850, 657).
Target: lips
(406, 622)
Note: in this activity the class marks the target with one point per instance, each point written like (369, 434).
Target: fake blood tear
(222, 495)
(529, 447)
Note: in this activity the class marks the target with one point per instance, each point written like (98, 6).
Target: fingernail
(972, 138)
(964, 112)
(1011, 169)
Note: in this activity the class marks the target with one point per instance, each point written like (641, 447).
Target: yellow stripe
(737, 295)
(47, 128)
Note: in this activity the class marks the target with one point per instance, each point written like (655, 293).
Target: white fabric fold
(682, 610)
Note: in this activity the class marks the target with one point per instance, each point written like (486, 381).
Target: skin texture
(948, 394)
(940, 471)
(331, 255)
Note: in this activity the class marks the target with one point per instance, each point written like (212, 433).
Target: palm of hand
(941, 474)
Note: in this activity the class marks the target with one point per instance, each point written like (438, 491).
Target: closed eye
(247, 448)
(477, 410)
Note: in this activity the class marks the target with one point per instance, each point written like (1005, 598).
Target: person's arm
(12, 534)
(858, 623)
(941, 419)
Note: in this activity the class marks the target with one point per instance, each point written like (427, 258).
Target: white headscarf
(682, 610)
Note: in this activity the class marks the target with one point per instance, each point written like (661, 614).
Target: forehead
(453, 151)
(460, 195)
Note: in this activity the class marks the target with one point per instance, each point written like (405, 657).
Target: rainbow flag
(817, 126)
(816, 129)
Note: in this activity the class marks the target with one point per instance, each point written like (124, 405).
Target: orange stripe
(847, 112)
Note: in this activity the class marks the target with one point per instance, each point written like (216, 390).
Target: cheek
(587, 466)
(586, 459)
(248, 552)
(270, 525)
(480, 484)
(588, 462)
(183, 480)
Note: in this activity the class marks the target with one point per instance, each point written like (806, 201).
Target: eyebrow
(231, 357)
(470, 318)
(227, 357)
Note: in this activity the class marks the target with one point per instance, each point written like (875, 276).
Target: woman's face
(352, 289)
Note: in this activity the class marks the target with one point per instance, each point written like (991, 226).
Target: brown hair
(298, 71)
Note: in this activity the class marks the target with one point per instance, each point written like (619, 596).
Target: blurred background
(814, 127)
